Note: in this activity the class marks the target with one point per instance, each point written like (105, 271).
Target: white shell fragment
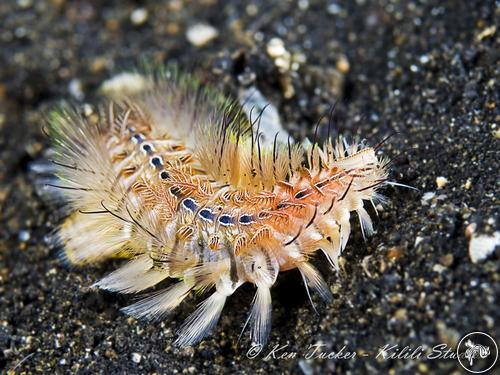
(255, 104)
(200, 34)
(124, 84)
(139, 16)
(482, 246)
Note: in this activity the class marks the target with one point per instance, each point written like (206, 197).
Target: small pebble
(418, 240)
(24, 4)
(487, 32)
(24, 236)
(468, 184)
(438, 268)
(470, 230)
(423, 368)
(276, 48)
(334, 9)
(424, 59)
(446, 260)
(139, 16)
(252, 10)
(394, 253)
(343, 65)
(200, 34)
(98, 64)
(87, 110)
(20, 32)
(75, 88)
(401, 314)
(441, 182)
(136, 357)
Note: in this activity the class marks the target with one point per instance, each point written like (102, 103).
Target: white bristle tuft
(133, 277)
(260, 315)
(160, 303)
(314, 279)
(200, 323)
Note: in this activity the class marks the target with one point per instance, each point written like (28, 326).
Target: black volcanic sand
(425, 69)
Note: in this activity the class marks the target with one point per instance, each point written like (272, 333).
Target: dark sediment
(428, 70)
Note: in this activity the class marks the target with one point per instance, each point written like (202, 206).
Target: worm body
(176, 179)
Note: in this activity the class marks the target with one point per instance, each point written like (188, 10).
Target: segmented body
(176, 180)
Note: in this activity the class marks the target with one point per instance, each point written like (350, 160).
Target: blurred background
(427, 70)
